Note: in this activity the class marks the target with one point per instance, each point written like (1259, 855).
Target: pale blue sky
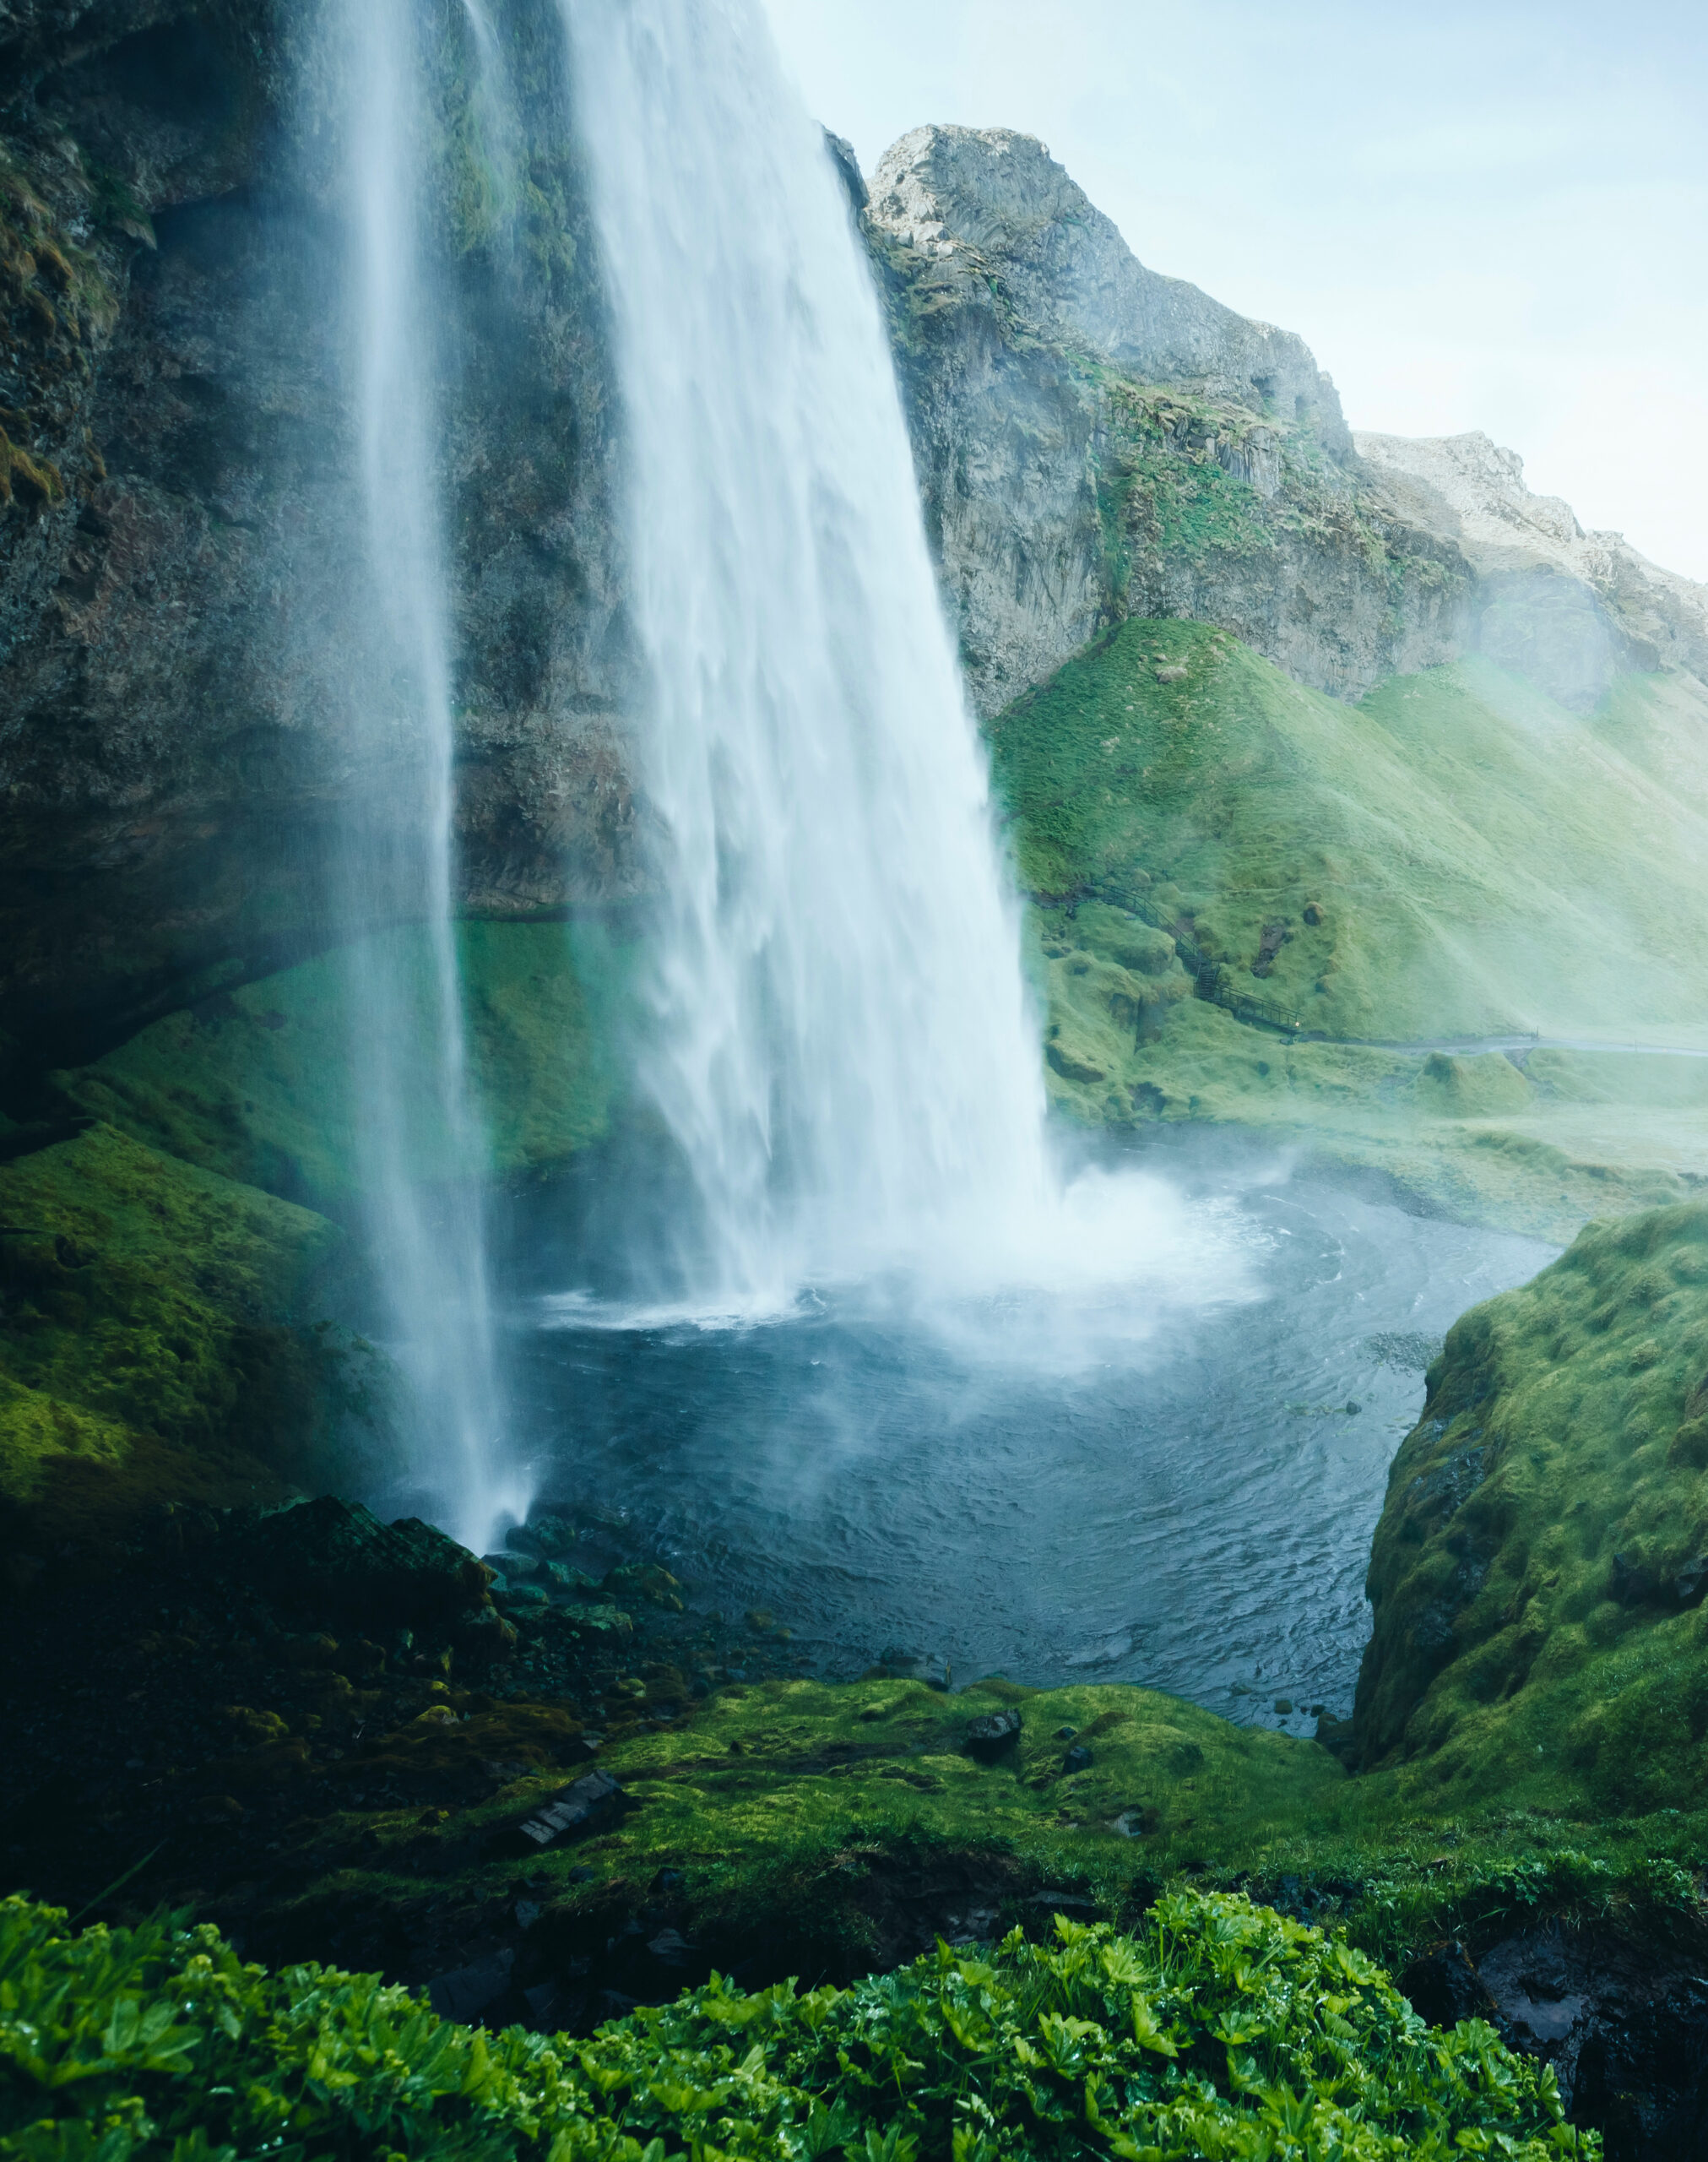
(1490, 216)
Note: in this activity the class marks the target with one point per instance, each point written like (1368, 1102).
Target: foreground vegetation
(1220, 2030)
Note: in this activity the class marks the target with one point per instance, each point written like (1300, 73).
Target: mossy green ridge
(1249, 895)
(1219, 2030)
(147, 1324)
(1539, 1566)
(781, 1765)
(262, 1083)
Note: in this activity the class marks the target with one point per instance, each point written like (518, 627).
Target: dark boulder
(988, 1737)
(336, 1560)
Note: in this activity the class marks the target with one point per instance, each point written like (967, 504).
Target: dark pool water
(1191, 1510)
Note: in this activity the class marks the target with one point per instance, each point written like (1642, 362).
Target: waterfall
(841, 1045)
(417, 1121)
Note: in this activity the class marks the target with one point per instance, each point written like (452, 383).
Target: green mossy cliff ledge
(1540, 1566)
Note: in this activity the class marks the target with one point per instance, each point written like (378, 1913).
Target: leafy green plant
(1220, 2030)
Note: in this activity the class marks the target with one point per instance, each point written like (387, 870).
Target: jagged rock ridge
(1567, 608)
(1095, 441)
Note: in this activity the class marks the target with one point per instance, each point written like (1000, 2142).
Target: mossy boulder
(336, 1561)
(1539, 1569)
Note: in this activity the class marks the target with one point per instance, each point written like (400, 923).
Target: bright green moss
(1217, 2030)
(146, 1299)
(1538, 1625)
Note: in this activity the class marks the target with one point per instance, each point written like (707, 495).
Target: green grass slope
(1247, 891)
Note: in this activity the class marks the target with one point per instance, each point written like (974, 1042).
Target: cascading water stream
(418, 1126)
(844, 1046)
(844, 1049)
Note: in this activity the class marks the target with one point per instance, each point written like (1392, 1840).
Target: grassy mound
(1222, 2030)
(1248, 891)
(148, 1339)
(1539, 1568)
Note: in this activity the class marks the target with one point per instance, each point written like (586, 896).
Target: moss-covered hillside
(1540, 1566)
(167, 1269)
(1249, 894)
(263, 1083)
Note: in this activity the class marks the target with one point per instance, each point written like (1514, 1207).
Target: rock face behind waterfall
(176, 519)
(1095, 441)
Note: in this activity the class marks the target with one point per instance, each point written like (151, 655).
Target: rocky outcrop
(179, 526)
(1095, 441)
(1567, 608)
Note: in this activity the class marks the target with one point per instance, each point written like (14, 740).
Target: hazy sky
(1484, 216)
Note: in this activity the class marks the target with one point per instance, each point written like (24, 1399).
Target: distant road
(1470, 1046)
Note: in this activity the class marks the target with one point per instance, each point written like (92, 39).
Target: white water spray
(416, 1118)
(844, 1049)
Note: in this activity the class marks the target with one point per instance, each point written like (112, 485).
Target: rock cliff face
(1096, 441)
(180, 585)
(179, 525)
(1568, 609)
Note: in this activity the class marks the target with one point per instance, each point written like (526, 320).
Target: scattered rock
(526, 1595)
(1137, 1822)
(655, 1587)
(1078, 1758)
(1629, 1581)
(1173, 673)
(571, 1809)
(545, 1536)
(1691, 1581)
(988, 1737)
(566, 1577)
